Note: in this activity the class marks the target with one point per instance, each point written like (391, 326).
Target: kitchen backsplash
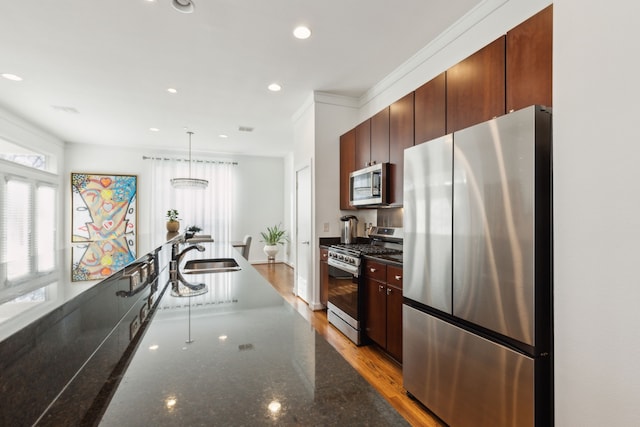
(389, 217)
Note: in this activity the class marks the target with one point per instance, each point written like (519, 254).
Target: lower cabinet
(383, 306)
(324, 276)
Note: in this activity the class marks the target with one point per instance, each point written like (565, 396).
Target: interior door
(304, 284)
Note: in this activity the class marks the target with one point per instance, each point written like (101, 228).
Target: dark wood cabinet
(430, 110)
(347, 165)
(383, 306)
(401, 128)
(529, 61)
(511, 73)
(324, 276)
(394, 312)
(376, 309)
(380, 137)
(476, 87)
(363, 144)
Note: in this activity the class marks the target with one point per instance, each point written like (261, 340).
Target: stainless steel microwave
(369, 186)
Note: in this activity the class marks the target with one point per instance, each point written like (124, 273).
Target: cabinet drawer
(394, 276)
(324, 254)
(375, 270)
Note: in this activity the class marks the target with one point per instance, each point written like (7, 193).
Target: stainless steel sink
(211, 265)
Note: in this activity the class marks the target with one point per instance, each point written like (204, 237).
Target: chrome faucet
(175, 276)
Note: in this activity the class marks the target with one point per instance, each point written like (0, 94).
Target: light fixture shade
(189, 183)
(184, 6)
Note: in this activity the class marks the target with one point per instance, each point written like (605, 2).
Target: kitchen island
(239, 355)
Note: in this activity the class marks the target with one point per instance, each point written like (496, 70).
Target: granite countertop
(24, 303)
(253, 360)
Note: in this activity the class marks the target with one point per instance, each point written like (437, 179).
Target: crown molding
(461, 26)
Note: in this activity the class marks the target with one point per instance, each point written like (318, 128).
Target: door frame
(313, 298)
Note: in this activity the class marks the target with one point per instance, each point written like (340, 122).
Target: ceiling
(97, 72)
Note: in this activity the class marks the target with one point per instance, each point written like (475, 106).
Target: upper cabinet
(476, 87)
(372, 140)
(430, 110)
(511, 73)
(529, 61)
(380, 137)
(401, 128)
(363, 144)
(347, 165)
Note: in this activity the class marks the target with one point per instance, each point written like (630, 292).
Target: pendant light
(189, 182)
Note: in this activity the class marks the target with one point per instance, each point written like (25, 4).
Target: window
(211, 209)
(22, 156)
(28, 222)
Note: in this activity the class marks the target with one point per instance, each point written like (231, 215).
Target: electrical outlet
(326, 227)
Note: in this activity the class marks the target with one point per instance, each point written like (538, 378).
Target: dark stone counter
(61, 340)
(253, 361)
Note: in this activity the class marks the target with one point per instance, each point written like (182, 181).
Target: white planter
(271, 251)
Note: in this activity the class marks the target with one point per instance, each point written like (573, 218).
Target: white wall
(259, 200)
(597, 213)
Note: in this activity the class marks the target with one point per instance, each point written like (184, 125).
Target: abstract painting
(104, 224)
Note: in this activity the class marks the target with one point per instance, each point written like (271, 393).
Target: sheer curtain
(211, 208)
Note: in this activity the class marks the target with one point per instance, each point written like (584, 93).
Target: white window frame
(35, 178)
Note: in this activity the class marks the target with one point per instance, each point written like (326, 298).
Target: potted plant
(191, 231)
(173, 225)
(273, 237)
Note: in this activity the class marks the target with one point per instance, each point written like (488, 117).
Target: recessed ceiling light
(154, 129)
(10, 76)
(184, 6)
(274, 87)
(222, 135)
(172, 90)
(65, 109)
(302, 32)
(154, 347)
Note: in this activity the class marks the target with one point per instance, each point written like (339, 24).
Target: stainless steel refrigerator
(477, 317)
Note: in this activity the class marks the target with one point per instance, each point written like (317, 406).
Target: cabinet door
(476, 87)
(394, 322)
(430, 110)
(529, 61)
(380, 137)
(376, 311)
(394, 276)
(400, 137)
(363, 144)
(324, 276)
(375, 270)
(347, 165)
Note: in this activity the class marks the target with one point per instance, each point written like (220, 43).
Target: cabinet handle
(373, 270)
(398, 277)
(324, 255)
(388, 291)
(380, 288)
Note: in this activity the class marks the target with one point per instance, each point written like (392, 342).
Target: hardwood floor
(380, 371)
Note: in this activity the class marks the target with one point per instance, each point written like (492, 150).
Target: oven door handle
(351, 269)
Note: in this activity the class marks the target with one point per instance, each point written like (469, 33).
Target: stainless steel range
(345, 305)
